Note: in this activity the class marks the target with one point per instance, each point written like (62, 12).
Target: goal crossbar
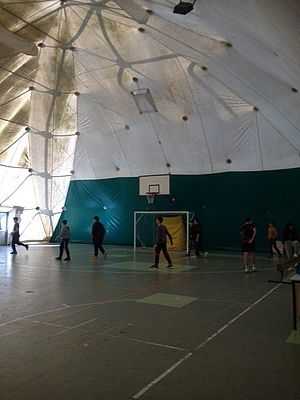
(137, 215)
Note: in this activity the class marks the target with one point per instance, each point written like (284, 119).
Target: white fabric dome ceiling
(241, 101)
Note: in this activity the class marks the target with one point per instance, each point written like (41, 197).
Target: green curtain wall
(220, 201)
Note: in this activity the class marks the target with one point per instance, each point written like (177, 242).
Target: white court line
(102, 302)
(160, 377)
(48, 323)
(200, 346)
(76, 327)
(221, 301)
(241, 271)
(32, 315)
(143, 342)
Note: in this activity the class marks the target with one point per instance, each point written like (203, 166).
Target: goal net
(145, 226)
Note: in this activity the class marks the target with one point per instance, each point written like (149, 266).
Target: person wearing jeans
(291, 241)
(64, 237)
(161, 243)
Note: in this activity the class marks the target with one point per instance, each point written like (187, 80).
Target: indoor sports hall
(149, 200)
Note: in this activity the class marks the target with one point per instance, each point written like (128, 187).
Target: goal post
(140, 216)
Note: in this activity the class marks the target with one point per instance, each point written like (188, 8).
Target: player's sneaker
(94, 257)
(205, 254)
(105, 255)
(26, 247)
(13, 252)
(246, 270)
(254, 269)
(170, 266)
(154, 266)
(58, 258)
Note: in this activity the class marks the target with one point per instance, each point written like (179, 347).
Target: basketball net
(150, 197)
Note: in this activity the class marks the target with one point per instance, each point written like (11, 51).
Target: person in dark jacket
(248, 235)
(197, 237)
(98, 233)
(161, 243)
(191, 239)
(16, 237)
(64, 237)
(291, 240)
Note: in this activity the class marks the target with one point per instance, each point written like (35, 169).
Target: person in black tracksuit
(191, 239)
(248, 235)
(197, 237)
(161, 243)
(16, 237)
(98, 233)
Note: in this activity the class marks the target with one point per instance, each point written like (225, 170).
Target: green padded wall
(221, 201)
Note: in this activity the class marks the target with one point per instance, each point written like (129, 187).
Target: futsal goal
(145, 226)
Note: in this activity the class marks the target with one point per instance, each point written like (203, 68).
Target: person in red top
(161, 243)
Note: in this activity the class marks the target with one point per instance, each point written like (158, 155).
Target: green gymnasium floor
(117, 330)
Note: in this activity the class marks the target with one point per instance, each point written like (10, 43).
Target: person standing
(98, 233)
(161, 243)
(16, 237)
(197, 236)
(191, 239)
(248, 235)
(291, 241)
(64, 237)
(272, 236)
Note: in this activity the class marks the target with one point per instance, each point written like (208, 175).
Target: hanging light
(184, 7)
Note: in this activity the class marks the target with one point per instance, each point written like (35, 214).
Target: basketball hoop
(150, 197)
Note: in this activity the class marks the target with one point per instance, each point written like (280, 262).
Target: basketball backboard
(158, 184)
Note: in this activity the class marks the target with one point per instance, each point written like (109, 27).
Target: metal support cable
(15, 190)
(14, 98)
(12, 144)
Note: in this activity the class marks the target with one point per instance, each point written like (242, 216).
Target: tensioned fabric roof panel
(67, 70)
